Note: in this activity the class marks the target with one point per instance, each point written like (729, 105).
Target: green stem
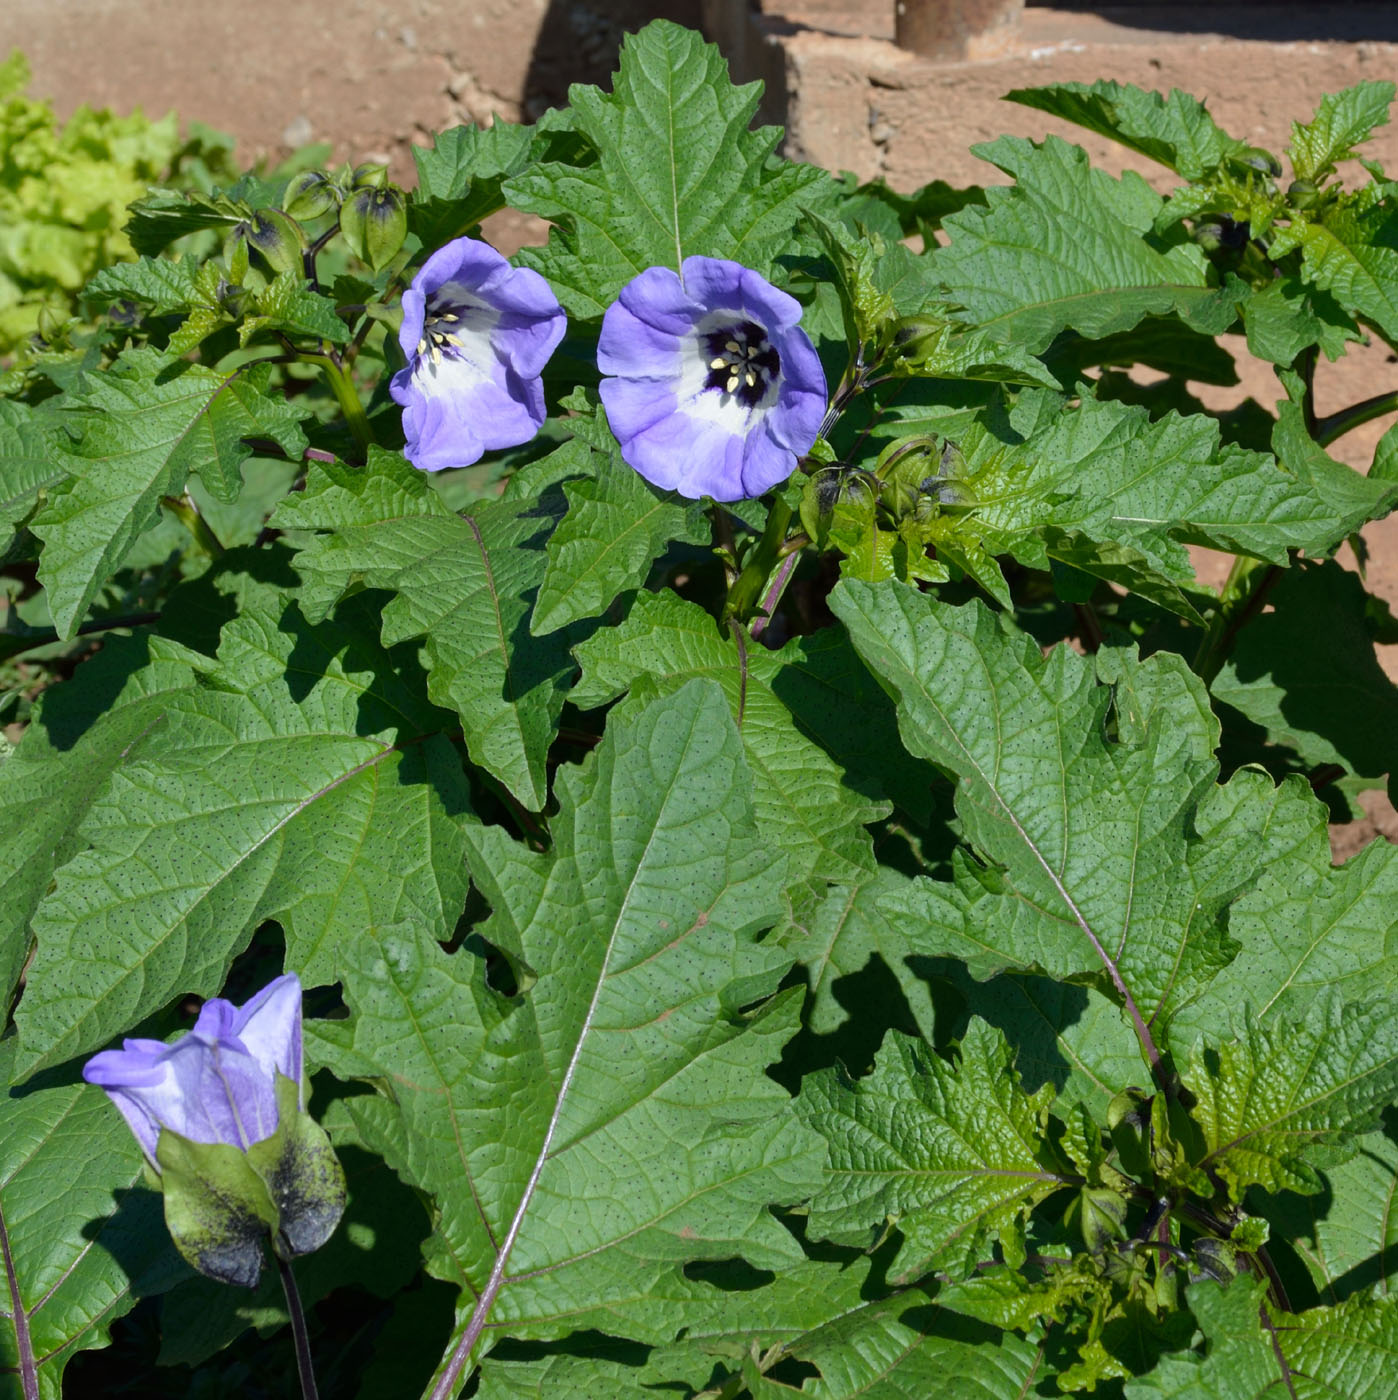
(347, 396)
(743, 596)
(1336, 425)
(187, 513)
(1244, 592)
(298, 1330)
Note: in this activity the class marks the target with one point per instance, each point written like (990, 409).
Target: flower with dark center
(216, 1084)
(476, 334)
(714, 388)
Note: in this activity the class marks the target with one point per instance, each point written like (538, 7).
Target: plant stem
(1336, 425)
(789, 560)
(187, 513)
(743, 596)
(346, 396)
(1244, 593)
(298, 1329)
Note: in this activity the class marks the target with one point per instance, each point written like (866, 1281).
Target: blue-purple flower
(218, 1083)
(476, 333)
(715, 389)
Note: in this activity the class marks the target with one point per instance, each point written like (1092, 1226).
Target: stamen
(751, 378)
(732, 382)
(422, 346)
(449, 316)
(732, 345)
(436, 354)
(719, 362)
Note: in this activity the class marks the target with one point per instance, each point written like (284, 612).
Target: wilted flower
(220, 1115)
(216, 1084)
(716, 390)
(476, 333)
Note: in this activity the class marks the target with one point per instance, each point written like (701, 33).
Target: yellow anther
(732, 345)
(436, 354)
(751, 379)
(422, 346)
(732, 383)
(450, 316)
(718, 362)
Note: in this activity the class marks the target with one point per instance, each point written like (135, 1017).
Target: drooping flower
(715, 389)
(476, 334)
(216, 1084)
(221, 1116)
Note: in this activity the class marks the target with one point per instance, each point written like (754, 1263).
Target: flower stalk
(304, 1368)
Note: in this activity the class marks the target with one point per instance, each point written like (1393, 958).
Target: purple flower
(476, 333)
(716, 390)
(216, 1084)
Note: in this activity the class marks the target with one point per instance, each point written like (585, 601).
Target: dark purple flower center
(443, 321)
(741, 361)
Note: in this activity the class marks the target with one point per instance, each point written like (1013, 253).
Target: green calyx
(221, 1203)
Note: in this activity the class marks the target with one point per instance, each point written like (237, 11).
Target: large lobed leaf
(1254, 1352)
(617, 524)
(1275, 1100)
(804, 809)
(611, 1119)
(1175, 130)
(78, 1243)
(676, 172)
(468, 585)
(1088, 790)
(301, 777)
(78, 736)
(133, 435)
(951, 1154)
(1066, 248)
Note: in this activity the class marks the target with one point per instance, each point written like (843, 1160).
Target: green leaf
(1289, 316)
(466, 585)
(1087, 786)
(1341, 122)
(1351, 254)
(1109, 491)
(1177, 130)
(1069, 1037)
(459, 178)
(804, 810)
(287, 304)
(165, 215)
(617, 523)
(1307, 930)
(77, 737)
(1308, 673)
(838, 704)
(78, 1245)
(677, 173)
(612, 1119)
(305, 780)
(1351, 500)
(952, 1155)
(1253, 1351)
(1280, 1100)
(27, 465)
(136, 432)
(165, 285)
(1066, 248)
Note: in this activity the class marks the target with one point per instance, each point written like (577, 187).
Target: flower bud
(220, 1115)
(310, 195)
(375, 223)
(370, 176)
(276, 237)
(1303, 194)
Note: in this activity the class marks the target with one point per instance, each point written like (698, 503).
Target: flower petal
(269, 1027)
